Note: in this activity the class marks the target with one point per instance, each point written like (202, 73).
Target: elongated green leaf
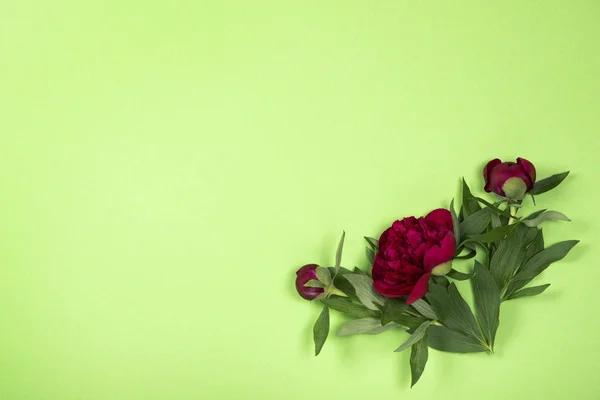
(374, 243)
(370, 255)
(544, 258)
(494, 235)
(368, 326)
(548, 184)
(338, 253)
(314, 284)
(424, 309)
(415, 337)
(486, 296)
(469, 204)
(444, 339)
(348, 307)
(321, 330)
(496, 211)
(504, 261)
(496, 221)
(409, 321)
(467, 256)
(359, 271)
(530, 291)
(459, 276)
(418, 359)
(323, 275)
(441, 280)
(363, 286)
(536, 245)
(455, 223)
(392, 310)
(546, 216)
(475, 223)
(453, 311)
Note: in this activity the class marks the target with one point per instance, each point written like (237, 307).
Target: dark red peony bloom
(509, 179)
(304, 275)
(410, 251)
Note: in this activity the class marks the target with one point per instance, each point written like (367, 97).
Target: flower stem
(513, 214)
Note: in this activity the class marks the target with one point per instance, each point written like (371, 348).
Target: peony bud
(303, 275)
(509, 179)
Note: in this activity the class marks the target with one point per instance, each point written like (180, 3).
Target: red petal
(420, 289)
(529, 169)
(486, 173)
(440, 217)
(437, 255)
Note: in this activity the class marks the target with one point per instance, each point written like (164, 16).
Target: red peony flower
(410, 251)
(509, 179)
(303, 275)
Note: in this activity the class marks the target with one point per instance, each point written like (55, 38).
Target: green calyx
(442, 269)
(514, 188)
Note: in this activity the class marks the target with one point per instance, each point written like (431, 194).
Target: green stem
(513, 214)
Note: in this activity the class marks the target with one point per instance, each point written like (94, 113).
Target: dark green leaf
(346, 306)
(531, 291)
(453, 311)
(321, 330)
(338, 253)
(418, 359)
(363, 286)
(441, 280)
(467, 256)
(493, 235)
(369, 326)
(486, 296)
(469, 204)
(548, 184)
(494, 208)
(459, 276)
(370, 255)
(409, 321)
(536, 245)
(455, 222)
(424, 309)
(444, 339)
(374, 243)
(539, 262)
(415, 337)
(359, 271)
(504, 261)
(496, 221)
(475, 223)
(392, 310)
(546, 216)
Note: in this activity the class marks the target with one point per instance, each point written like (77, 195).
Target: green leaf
(531, 291)
(444, 339)
(369, 326)
(314, 284)
(348, 307)
(546, 216)
(441, 280)
(418, 359)
(467, 256)
(363, 286)
(539, 262)
(455, 222)
(496, 221)
(504, 261)
(453, 311)
(459, 276)
(424, 309)
(486, 296)
(469, 204)
(475, 223)
(497, 211)
(338, 253)
(548, 184)
(321, 330)
(370, 255)
(359, 271)
(493, 235)
(323, 275)
(415, 337)
(409, 321)
(536, 245)
(374, 243)
(392, 310)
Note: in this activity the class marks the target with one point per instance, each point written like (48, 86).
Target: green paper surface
(166, 166)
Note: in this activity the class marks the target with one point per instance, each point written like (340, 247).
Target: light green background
(165, 167)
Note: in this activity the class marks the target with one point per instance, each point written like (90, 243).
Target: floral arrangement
(411, 283)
